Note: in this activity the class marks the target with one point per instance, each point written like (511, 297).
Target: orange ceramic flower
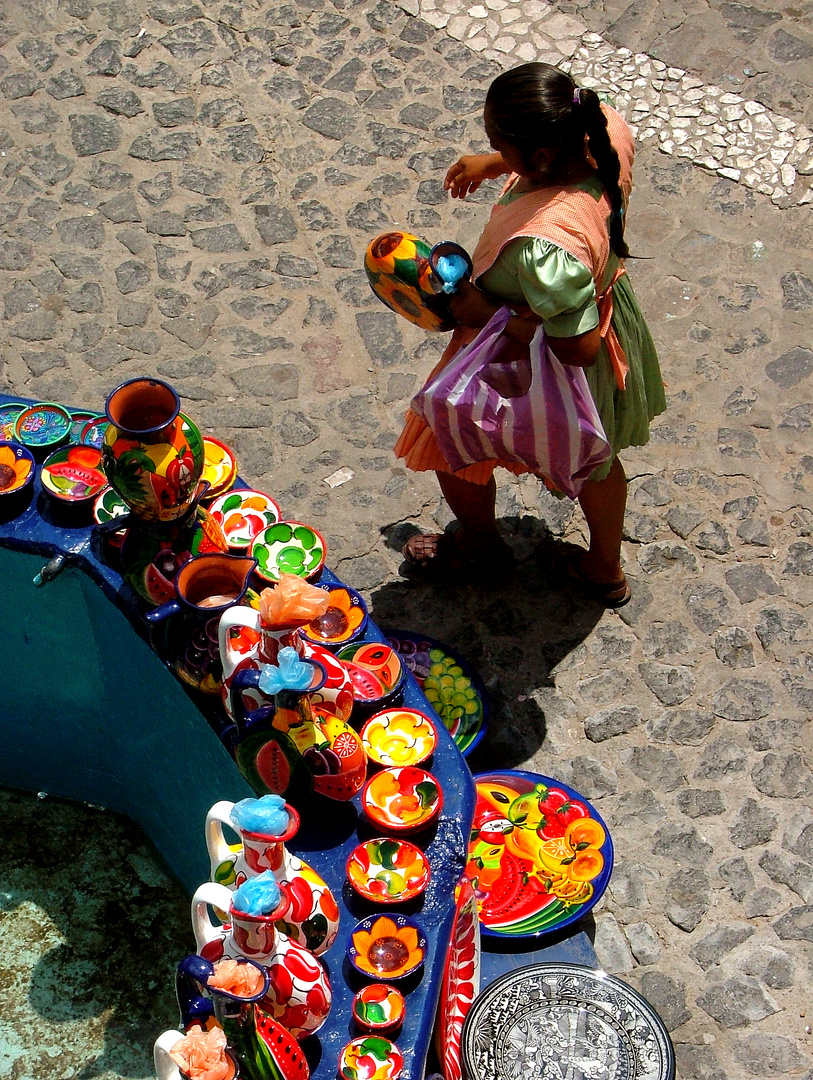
(340, 621)
(14, 471)
(399, 946)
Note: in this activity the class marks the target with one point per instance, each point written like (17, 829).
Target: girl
(553, 250)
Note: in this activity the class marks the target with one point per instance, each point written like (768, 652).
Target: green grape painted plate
(451, 685)
(288, 547)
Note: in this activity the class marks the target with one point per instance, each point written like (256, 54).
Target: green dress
(560, 289)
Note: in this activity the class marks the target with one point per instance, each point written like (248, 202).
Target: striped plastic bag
(496, 399)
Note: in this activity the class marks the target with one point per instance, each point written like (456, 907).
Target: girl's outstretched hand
(466, 175)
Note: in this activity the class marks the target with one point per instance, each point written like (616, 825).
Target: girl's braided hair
(537, 105)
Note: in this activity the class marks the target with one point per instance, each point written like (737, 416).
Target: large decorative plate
(551, 1021)
(243, 514)
(462, 704)
(540, 856)
(461, 981)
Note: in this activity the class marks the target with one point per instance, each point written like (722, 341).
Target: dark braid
(536, 106)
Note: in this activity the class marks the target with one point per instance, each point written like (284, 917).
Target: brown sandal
(612, 594)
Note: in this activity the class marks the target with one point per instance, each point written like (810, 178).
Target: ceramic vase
(313, 914)
(299, 994)
(152, 454)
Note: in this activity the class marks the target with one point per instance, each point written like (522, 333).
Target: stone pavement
(188, 188)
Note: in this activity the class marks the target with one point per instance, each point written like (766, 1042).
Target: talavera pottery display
(387, 871)
(376, 673)
(379, 1008)
(401, 800)
(554, 1020)
(73, 474)
(387, 947)
(219, 466)
(540, 856)
(152, 453)
(243, 514)
(397, 737)
(343, 622)
(43, 427)
(299, 995)
(453, 687)
(371, 1057)
(312, 918)
(461, 981)
(288, 547)
(17, 468)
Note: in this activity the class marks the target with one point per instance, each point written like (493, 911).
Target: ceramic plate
(8, 417)
(402, 800)
(399, 737)
(44, 424)
(288, 547)
(219, 466)
(371, 1058)
(109, 505)
(243, 514)
(462, 703)
(555, 1020)
(93, 431)
(387, 871)
(379, 1007)
(540, 856)
(344, 621)
(461, 981)
(387, 947)
(16, 467)
(73, 474)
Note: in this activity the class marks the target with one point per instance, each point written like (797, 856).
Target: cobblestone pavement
(187, 190)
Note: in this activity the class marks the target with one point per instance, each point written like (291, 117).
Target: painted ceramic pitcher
(313, 915)
(204, 587)
(263, 1048)
(153, 455)
(299, 995)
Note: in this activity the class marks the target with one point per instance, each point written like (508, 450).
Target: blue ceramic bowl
(387, 947)
(344, 621)
(17, 468)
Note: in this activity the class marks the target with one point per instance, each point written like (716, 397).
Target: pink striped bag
(496, 399)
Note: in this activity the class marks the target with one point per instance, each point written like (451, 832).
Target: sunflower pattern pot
(398, 269)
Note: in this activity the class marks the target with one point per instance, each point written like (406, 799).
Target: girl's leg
(474, 507)
(604, 502)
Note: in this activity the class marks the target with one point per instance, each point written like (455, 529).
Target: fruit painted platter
(462, 704)
(555, 1020)
(461, 981)
(243, 515)
(540, 856)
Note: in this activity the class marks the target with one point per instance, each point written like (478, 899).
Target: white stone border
(725, 133)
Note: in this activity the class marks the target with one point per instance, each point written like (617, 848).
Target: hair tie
(577, 96)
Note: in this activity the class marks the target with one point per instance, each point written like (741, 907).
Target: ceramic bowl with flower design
(376, 672)
(43, 426)
(402, 800)
(219, 466)
(8, 418)
(371, 1057)
(379, 1007)
(387, 871)
(73, 474)
(16, 467)
(288, 547)
(397, 737)
(343, 622)
(242, 515)
(387, 947)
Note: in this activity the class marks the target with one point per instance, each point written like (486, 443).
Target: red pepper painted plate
(540, 856)
(461, 981)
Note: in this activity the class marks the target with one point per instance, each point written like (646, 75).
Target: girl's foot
(613, 594)
(446, 555)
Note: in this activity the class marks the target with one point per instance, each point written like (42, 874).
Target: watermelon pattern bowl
(376, 673)
(242, 515)
(387, 871)
(402, 800)
(73, 474)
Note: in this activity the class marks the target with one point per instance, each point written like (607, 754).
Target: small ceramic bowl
(109, 505)
(219, 466)
(399, 737)
(242, 515)
(376, 673)
(370, 1058)
(8, 418)
(288, 547)
(343, 622)
(43, 426)
(387, 871)
(94, 430)
(387, 947)
(79, 418)
(402, 800)
(73, 474)
(379, 1007)
(16, 468)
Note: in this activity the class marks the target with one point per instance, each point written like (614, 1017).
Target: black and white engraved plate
(564, 1022)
